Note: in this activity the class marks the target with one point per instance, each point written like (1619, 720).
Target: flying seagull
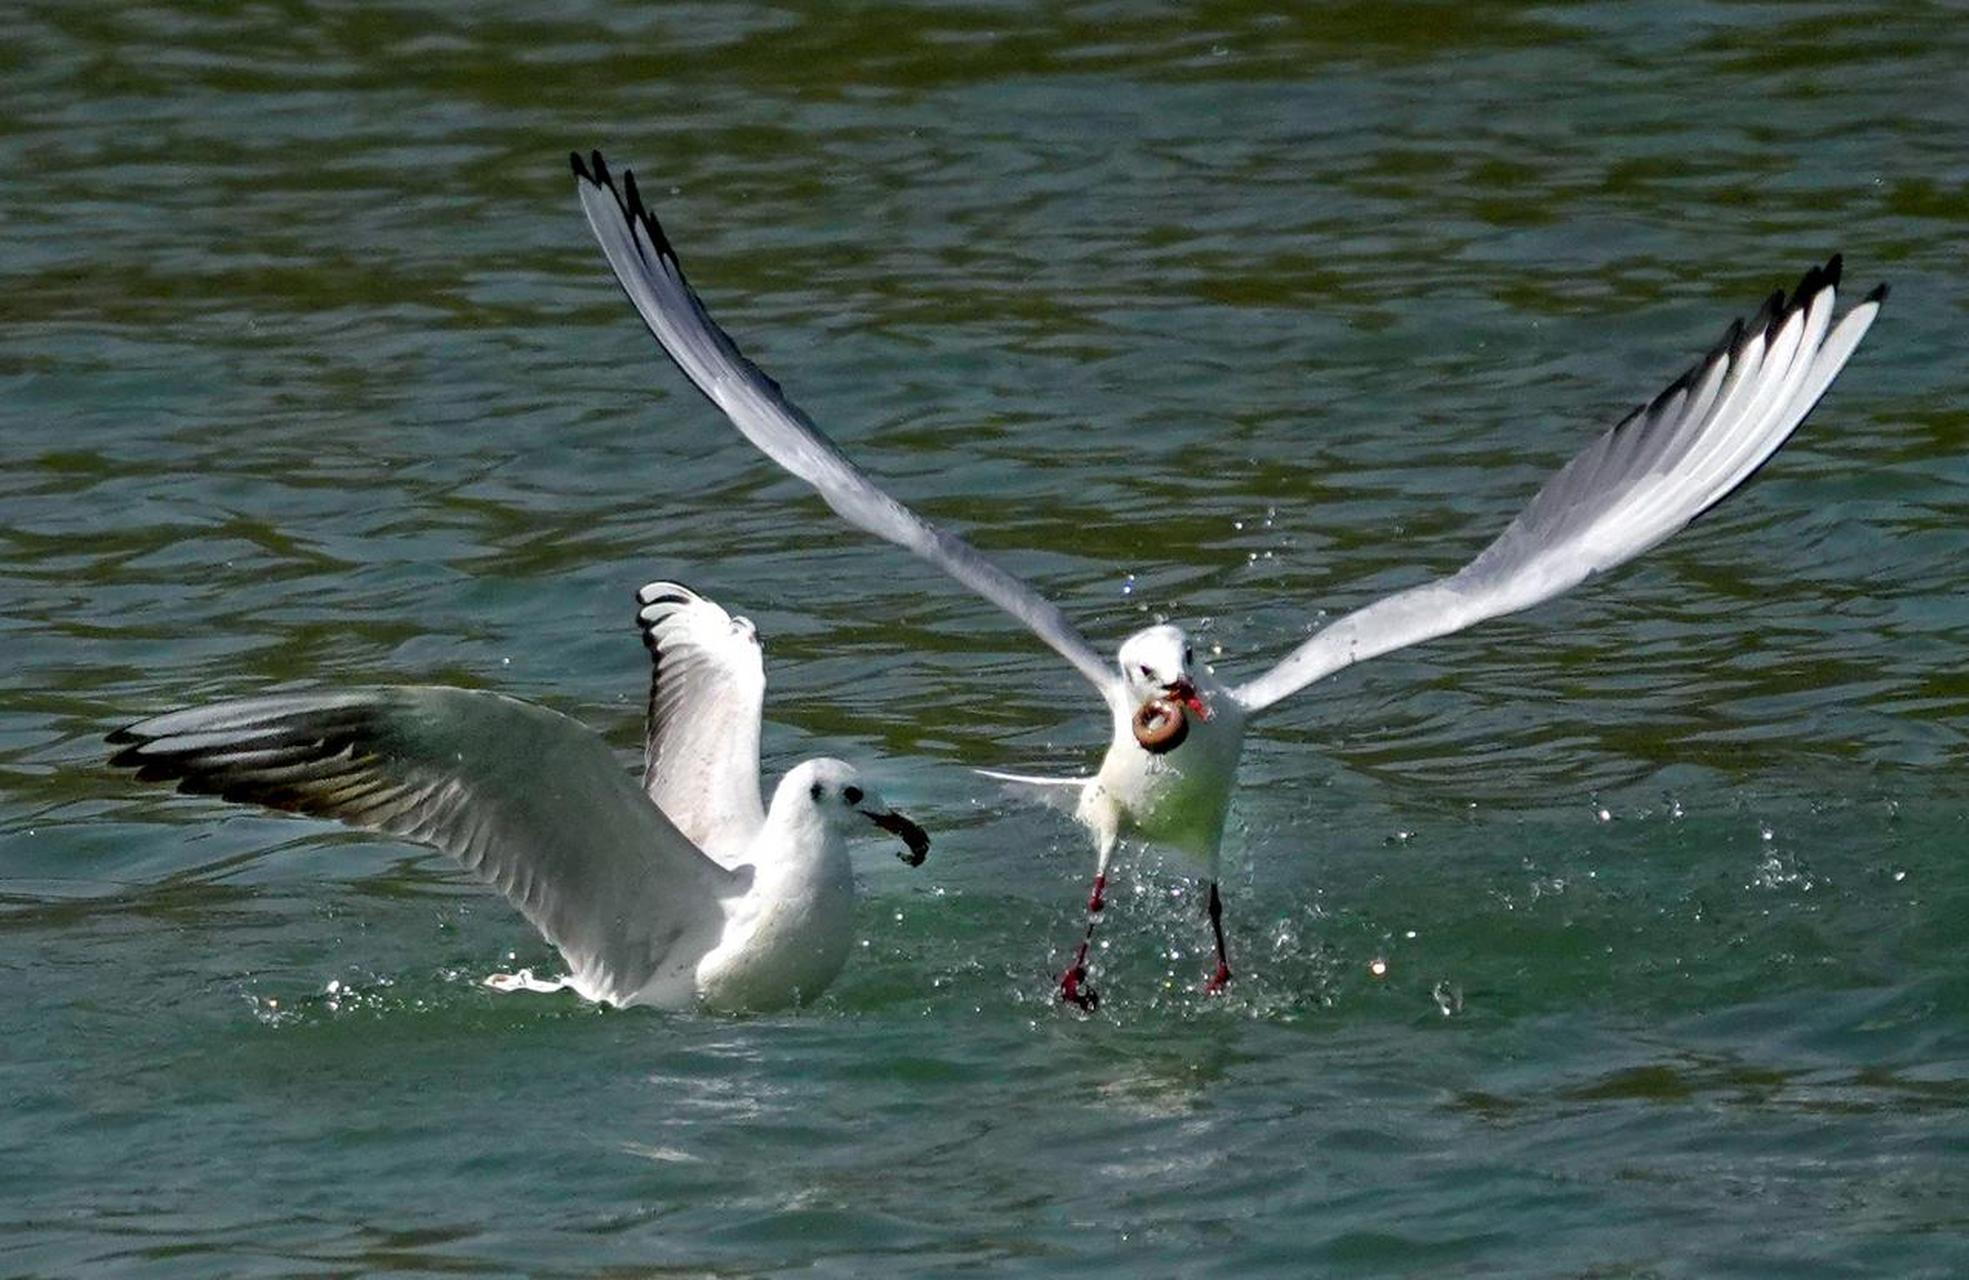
(1177, 729)
(684, 891)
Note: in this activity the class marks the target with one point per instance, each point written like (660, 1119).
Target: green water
(311, 376)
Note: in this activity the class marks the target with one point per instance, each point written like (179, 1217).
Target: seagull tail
(1055, 793)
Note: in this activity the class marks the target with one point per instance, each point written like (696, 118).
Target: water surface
(1623, 938)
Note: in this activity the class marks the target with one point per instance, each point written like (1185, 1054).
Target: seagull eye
(816, 791)
(1146, 673)
(851, 794)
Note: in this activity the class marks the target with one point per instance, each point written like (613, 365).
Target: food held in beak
(1161, 724)
(917, 840)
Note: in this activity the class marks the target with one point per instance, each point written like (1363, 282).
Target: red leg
(1222, 976)
(1073, 983)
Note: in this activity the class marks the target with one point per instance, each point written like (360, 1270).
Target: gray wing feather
(707, 690)
(524, 798)
(646, 266)
(1658, 469)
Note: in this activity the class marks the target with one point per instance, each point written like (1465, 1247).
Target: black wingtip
(671, 593)
(131, 757)
(1668, 393)
(1878, 293)
(657, 236)
(1835, 267)
(628, 196)
(676, 593)
(1768, 315)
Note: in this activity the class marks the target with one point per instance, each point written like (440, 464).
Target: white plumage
(1647, 477)
(536, 805)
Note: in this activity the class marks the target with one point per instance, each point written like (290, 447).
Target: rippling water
(1624, 938)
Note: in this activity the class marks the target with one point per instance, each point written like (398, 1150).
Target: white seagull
(1177, 730)
(681, 892)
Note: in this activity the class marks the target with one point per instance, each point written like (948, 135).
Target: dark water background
(310, 376)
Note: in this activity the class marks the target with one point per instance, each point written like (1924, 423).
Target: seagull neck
(796, 840)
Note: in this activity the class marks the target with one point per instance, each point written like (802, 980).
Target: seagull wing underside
(1659, 468)
(646, 266)
(707, 689)
(524, 798)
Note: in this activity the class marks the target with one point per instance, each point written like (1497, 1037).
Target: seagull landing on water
(680, 892)
(1178, 731)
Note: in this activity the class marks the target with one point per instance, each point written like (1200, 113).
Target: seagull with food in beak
(683, 891)
(1177, 732)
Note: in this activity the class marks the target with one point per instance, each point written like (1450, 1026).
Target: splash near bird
(1177, 730)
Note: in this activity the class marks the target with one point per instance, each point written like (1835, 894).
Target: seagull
(681, 892)
(1178, 730)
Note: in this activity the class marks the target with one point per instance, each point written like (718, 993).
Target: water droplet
(1378, 967)
(1603, 815)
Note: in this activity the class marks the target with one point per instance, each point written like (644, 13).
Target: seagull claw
(1075, 991)
(1215, 984)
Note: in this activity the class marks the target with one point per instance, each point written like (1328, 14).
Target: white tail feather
(1055, 793)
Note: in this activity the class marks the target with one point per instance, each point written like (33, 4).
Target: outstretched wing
(707, 687)
(525, 799)
(1658, 469)
(646, 265)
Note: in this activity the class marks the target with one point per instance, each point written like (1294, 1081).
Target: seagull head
(848, 804)
(1160, 662)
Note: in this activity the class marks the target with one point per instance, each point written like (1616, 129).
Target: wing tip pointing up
(1777, 308)
(628, 198)
(656, 601)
